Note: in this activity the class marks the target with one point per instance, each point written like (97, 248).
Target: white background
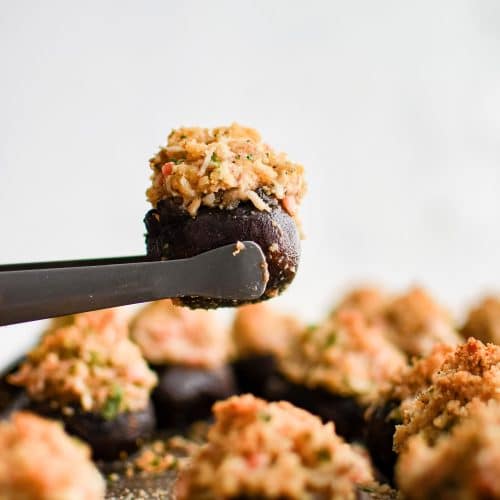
(393, 107)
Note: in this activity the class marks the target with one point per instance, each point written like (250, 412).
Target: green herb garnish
(367, 489)
(265, 417)
(323, 455)
(94, 358)
(250, 157)
(331, 339)
(215, 159)
(113, 403)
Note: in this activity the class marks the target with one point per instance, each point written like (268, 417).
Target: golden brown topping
(39, 461)
(414, 378)
(90, 363)
(258, 328)
(272, 450)
(345, 356)
(369, 301)
(419, 375)
(463, 464)
(471, 372)
(415, 322)
(220, 167)
(179, 335)
(484, 321)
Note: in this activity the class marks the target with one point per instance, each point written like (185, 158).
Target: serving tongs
(47, 289)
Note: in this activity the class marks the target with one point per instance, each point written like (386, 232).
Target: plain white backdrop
(392, 106)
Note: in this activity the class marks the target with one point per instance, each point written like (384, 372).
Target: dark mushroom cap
(106, 437)
(174, 234)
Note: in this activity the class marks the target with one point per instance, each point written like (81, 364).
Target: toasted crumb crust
(415, 322)
(419, 375)
(272, 450)
(344, 355)
(483, 321)
(471, 372)
(463, 464)
(90, 363)
(260, 329)
(220, 167)
(39, 461)
(169, 334)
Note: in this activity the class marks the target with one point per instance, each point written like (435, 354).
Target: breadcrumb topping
(414, 378)
(39, 461)
(260, 329)
(471, 372)
(415, 322)
(483, 321)
(222, 166)
(168, 334)
(344, 355)
(90, 363)
(370, 301)
(419, 375)
(464, 464)
(272, 450)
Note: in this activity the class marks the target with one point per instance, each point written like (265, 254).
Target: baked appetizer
(92, 377)
(261, 336)
(386, 412)
(39, 461)
(483, 321)
(212, 187)
(336, 370)
(471, 373)
(263, 450)
(415, 322)
(462, 464)
(189, 351)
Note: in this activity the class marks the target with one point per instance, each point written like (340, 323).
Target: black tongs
(44, 290)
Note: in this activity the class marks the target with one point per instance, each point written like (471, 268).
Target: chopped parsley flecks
(331, 339)
(215, 159)
(323, 455)
(113, 404)
(265, 417)
(95, 358)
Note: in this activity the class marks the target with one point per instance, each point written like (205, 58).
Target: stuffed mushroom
(39, 461)
(262, 450)
(470, 373)
(336, 370)
(92, 377)
(385, 413)
(212, 187)
(463, 463)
